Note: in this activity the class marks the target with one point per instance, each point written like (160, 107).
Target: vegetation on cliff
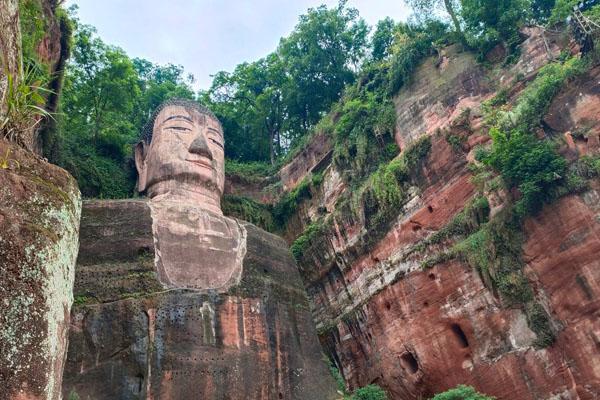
(533, 173)
(461, 392)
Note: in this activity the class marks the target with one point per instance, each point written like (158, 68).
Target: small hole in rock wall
(431, 276)
(281, 395)
(388, 305)
(430, 209)
(409, 362)
(426, 304)
(460, 335)
(416, 228)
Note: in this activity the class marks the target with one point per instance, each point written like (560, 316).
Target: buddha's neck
(185, 193)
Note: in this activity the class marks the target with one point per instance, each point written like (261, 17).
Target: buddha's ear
(140, 163)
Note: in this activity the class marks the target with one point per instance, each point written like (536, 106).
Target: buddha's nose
(200, 147)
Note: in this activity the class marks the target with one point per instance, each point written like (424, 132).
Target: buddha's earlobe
(140, 164)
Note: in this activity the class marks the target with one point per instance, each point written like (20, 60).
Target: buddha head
(181, 155)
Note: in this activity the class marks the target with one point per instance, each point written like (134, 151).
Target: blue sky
(207, 36)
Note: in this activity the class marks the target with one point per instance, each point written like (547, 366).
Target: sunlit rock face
(175, 300)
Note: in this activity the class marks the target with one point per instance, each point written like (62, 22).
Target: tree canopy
(329, 74)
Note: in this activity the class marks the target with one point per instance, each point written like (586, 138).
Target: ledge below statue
(131, 338)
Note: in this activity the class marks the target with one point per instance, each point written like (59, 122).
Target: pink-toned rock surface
(434, 329)
(181, 164)
(576, 110)
(437, 93)
(185, 234)
(316, 152)
(181, 156)
(39, 224)
(418, 332)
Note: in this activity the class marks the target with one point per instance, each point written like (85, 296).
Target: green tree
(249, 101)
(383, 38)
(269, 105)
(461, 392)
(424, 8)
(541, 10)
(107, 99)
(489, 22)
(101, 85)
(157, 84)
(320, 57)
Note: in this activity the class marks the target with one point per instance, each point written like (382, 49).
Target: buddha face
(186, 153)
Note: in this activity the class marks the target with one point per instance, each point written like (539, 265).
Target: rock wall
(39, 226)
(132, 339)
(385, 319)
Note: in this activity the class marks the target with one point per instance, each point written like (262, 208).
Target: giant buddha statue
(174, 300)
(181, 164)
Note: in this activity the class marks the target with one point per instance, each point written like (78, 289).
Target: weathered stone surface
(39, 224)
(386, 320)
(131, 339)
(576, 110)
(185, 234)
(438, 92)
(317, 153)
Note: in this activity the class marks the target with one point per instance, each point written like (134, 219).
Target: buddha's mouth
(202, 162)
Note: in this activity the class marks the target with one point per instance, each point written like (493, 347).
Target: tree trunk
(10, 45)
(272, 146)
(450, 10)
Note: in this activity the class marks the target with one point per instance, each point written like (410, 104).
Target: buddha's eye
(179, 128)
(216, 142)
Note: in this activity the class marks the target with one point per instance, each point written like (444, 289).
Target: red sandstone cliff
(385, 319)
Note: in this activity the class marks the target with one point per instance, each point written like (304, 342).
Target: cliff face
(132, 339)
(388, 315)
(39, 226)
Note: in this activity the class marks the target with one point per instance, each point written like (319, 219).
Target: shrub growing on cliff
(384, 189)
(248, 210)
(288, 204)
(535, 100)
(24, 101)
(370, 392)
(462, 392)
(301, 244)
(527, 163)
